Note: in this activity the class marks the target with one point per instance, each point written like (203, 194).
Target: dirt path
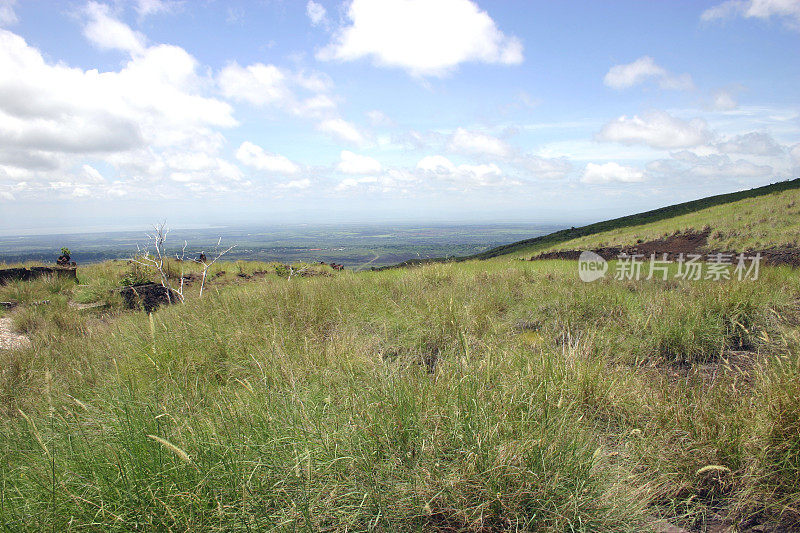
(365, 265)
(9, 340)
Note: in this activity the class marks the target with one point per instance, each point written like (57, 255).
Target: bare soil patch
(673, 246)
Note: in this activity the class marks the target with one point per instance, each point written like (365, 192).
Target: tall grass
(750, 224)
(410, 400)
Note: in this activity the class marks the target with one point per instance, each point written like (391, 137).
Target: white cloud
(786, 10)
(151, 7)
(54, 108)
(424, 37)
(315, 106)
(644, 68)
(257, 84)
(315, 82)
(358, 164)
(92, 174)
(265, 85)
(723, 100)
(109, 33)
(147, 121)
(795, 153)
(610, 172)
(545, 168)
(378, 118)
(352, 183)
(7, 14)
(441, 168)
(256, 157)
(732, 169)
(315, 12)
(303, 183)
(753, 143)
(478, 143)
(341, 129)
(656, 129)
(691, 166)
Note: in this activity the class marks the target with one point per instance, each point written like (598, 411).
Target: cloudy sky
(118, 113)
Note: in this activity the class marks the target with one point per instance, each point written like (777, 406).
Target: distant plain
(355, 246)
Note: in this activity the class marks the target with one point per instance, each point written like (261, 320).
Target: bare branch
(206, 264)
(156, 261)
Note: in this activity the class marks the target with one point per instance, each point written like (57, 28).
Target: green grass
(752, 224)
(759, 218)
(500, 394)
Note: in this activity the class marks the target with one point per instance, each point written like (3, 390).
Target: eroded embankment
(675, 245)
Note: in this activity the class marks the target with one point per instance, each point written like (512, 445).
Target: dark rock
(63, 260)
(28, 274)
(148, 296)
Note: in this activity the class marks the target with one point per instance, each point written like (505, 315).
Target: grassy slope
(307, 404)
(758, 218)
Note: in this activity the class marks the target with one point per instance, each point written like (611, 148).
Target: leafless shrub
(154, 256)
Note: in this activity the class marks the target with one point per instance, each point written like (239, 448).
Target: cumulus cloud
(611, 172)
(393, 180)
(315, 106)
(722, 100)
(109, 33)
(478, 143)
(690, 165)
(92, 174)
(148, 121)
(263, 85)
(644, 69)
(786, 10)
(543, 167)
(352, 183)
(358, 164)
(424, 37)
(731, 169)
(151, 7)
(656, 129)
(256, 157)
(754, 143)
(256, 84)
(379, 118)
(316, 13)
(441, 168)
(341, 129)
(7, 14)
(303, 183)
(794, 152)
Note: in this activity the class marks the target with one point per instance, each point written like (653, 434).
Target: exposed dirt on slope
(674, 245)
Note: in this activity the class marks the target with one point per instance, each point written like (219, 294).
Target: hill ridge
(653, 215)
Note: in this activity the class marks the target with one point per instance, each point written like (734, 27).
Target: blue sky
(114, 114)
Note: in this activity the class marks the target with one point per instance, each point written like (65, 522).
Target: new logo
(591, 266)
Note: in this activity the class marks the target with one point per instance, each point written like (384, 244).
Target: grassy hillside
(758, 218)
(475, 396)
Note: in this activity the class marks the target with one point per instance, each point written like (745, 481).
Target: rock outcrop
(148, 296)
(28, 274)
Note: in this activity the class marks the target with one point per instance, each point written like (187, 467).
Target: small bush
(136, 275)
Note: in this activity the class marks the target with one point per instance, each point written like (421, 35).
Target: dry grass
(494, 395)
